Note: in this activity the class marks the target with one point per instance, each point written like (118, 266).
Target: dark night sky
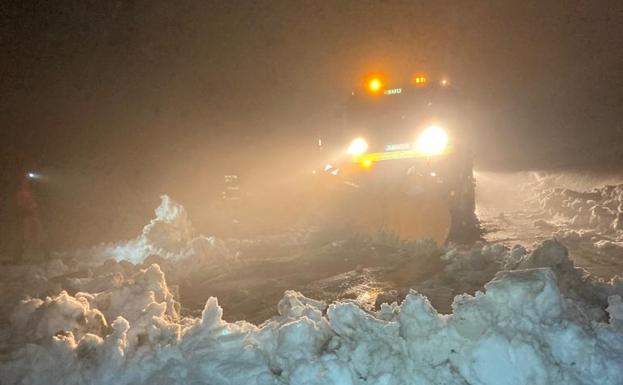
(145, 93)
(81, 77)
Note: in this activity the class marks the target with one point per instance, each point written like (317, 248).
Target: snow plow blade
(405, 217)
(423, 216)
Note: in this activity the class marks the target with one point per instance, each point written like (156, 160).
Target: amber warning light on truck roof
(375, 85)
(420, 79)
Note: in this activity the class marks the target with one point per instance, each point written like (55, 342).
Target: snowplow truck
(400, 163)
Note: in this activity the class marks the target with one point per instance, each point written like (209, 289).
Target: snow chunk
(170, 235)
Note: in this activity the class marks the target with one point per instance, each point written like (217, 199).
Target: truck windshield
(395, 118)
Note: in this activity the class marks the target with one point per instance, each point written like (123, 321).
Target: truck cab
(405, 153)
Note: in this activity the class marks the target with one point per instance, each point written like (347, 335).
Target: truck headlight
(432, 141)
(357, 147)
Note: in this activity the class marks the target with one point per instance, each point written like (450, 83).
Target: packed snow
(530, 207)
(599, 209)
(540, 320)
(519, 315)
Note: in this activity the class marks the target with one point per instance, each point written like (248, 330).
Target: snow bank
(573, 197)
(479, 264)
(600, 209)
(136, 298)
(169, 235)
(544, 322)
(590, 220)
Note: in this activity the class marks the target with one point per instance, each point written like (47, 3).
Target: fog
(287, 192)
(119, 103)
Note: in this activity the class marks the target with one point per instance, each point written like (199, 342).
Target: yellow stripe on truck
(381, 156)
(373, 157)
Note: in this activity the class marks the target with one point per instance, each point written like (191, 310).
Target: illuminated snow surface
(539, 319)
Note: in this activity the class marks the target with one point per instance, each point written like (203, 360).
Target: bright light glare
(31, 175)
(367, 163)
(374, 85)
(432, 141)
(357, 147)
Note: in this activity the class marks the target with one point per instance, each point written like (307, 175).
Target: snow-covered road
(520, 308)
